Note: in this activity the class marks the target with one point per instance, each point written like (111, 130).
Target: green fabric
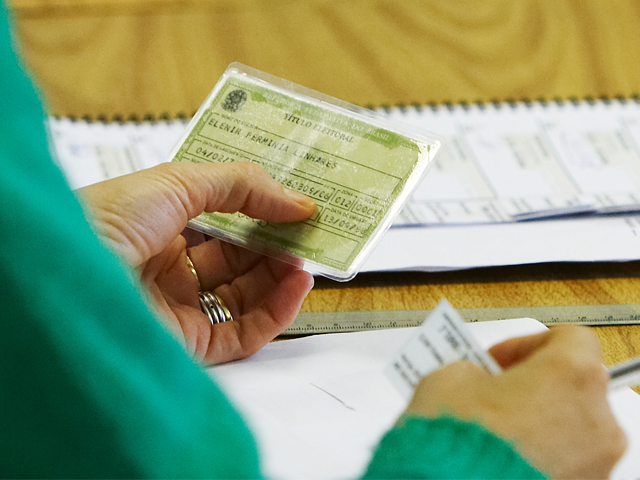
(446, 447)
(91, 385)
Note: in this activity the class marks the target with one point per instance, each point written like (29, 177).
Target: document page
(507, 162)
(90, 152)
(500, 163)
(599, 238)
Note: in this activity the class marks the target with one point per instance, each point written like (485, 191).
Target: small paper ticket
(359, 173)
(442, 338)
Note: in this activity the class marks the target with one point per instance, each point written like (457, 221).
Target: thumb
(238, 187)
(514, 350)
(561, 339)
(141, 213)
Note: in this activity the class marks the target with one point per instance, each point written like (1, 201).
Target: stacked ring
(210, 303)
(214, 307)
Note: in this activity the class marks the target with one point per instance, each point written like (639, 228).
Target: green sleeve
(91, 384)
(446, 447)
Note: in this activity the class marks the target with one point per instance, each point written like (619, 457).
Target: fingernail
(300, 198)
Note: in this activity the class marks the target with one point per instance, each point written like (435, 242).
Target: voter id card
(359, 168)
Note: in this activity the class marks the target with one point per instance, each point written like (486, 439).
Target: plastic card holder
(359, 168)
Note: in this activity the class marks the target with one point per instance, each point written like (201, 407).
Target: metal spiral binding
(500, 103)
(402, 107)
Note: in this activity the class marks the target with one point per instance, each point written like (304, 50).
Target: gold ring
(193, 270)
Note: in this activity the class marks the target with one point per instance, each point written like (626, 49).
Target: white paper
(319, 405)
(471, 212)
(512, 161)
(90, 152)
(500, 163)
(592, 239)
(442, 338)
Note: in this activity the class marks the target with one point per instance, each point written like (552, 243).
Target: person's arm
(91, 383)
(547, 413)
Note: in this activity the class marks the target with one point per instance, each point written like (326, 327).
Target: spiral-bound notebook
(500, 163)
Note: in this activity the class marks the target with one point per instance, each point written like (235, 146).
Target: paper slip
(442, 338)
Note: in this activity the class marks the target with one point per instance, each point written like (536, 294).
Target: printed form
(512, 162)
(499, 163)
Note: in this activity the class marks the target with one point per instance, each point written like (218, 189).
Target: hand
(141, 217)
(550, 402)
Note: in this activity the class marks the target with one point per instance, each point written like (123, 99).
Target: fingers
(263, 303)
(577, 357)
(220, 262)
(235, 187)
(194, 237)
(563, 339)
(256, 288)
(272, 312)
(441, 392)
(514, 350)
(578, 339)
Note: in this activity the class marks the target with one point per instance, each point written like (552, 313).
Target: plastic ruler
(331, 322)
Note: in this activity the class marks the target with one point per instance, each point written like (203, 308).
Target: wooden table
(150, 58)
(498, 287)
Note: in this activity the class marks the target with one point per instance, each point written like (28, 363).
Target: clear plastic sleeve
(359, 168)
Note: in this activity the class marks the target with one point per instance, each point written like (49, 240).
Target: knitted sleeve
(446, 447)
(91, 384)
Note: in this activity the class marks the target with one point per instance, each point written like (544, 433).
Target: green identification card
(358, 172)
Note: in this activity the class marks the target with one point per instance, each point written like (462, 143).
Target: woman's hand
(550, 402)
(142, 217)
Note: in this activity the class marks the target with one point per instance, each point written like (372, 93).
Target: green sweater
(92, 385)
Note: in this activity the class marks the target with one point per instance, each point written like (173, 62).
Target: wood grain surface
(164, 56)
(136, 58)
